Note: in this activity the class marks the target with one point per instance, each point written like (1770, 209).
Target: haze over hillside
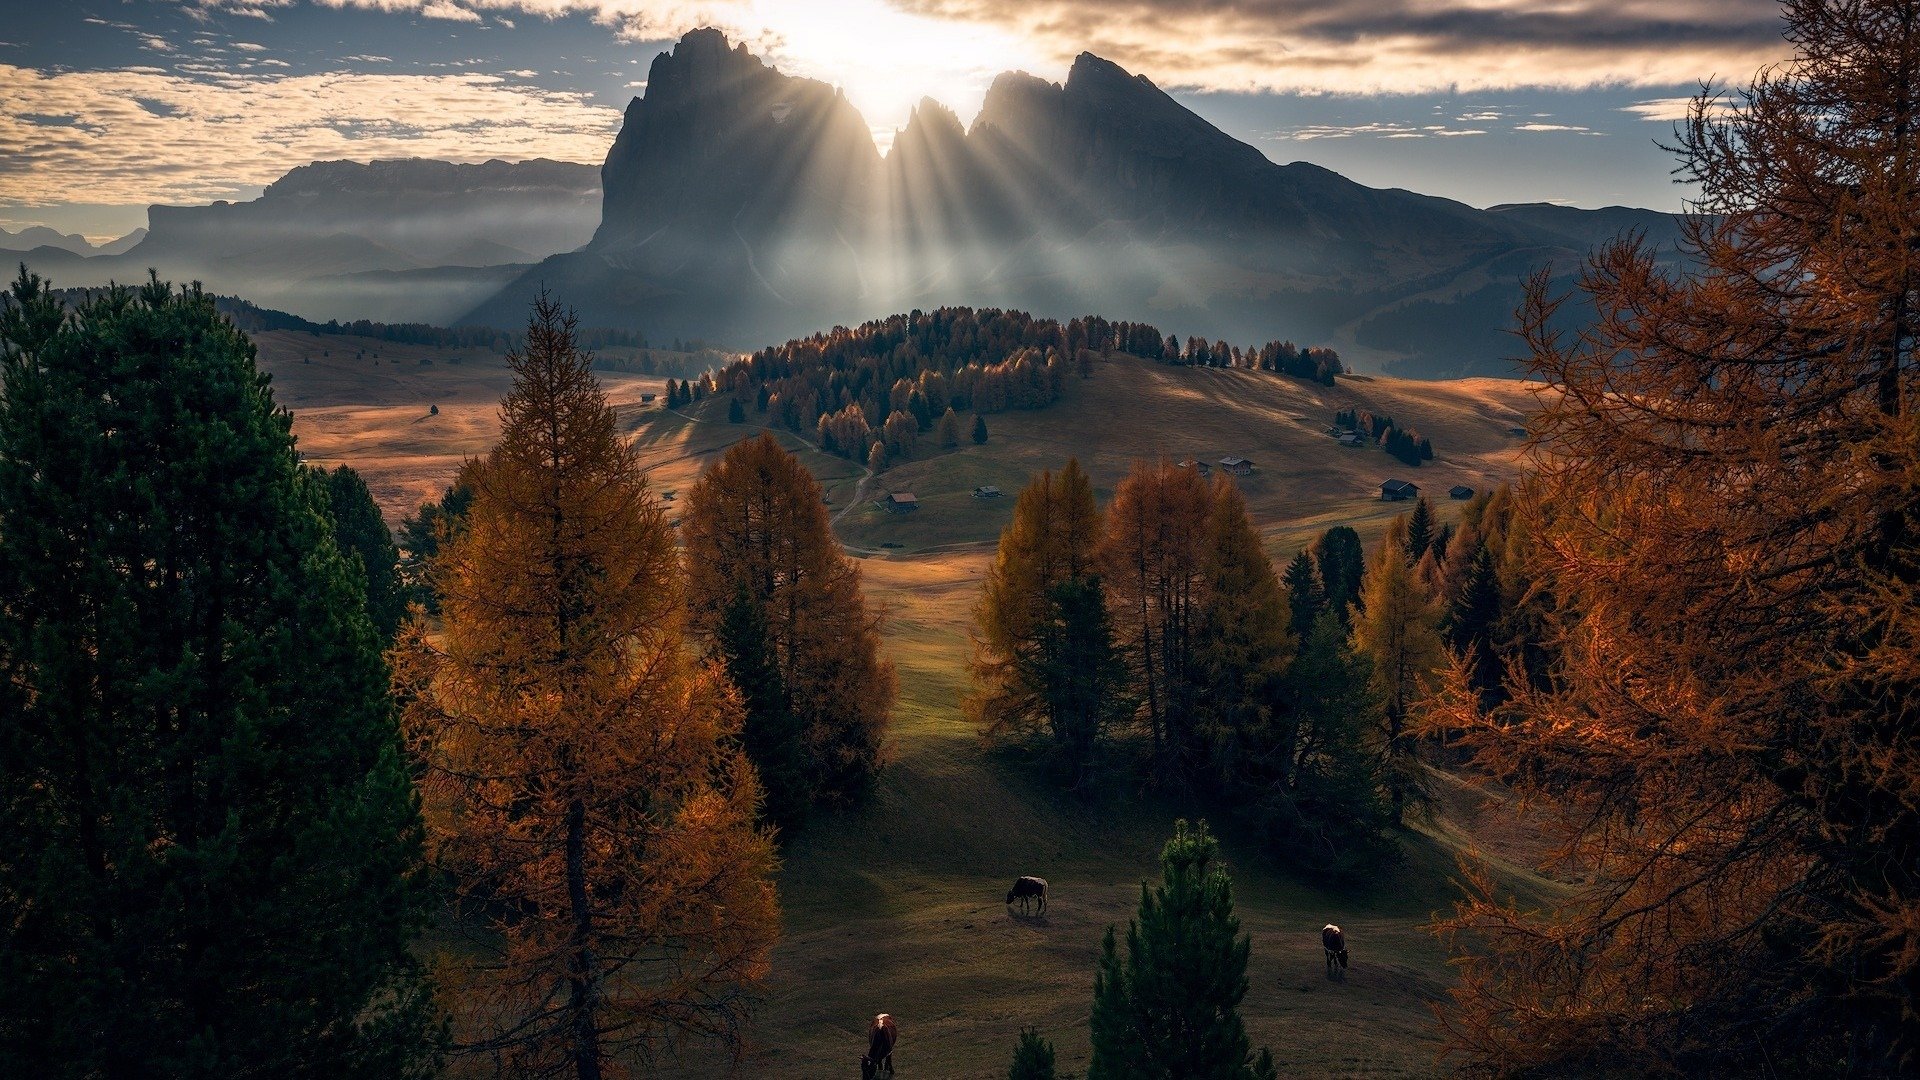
(746, 205)
(742, 205)
(398, 241)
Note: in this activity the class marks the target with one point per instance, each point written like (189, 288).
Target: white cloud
(139, 137)
(248, 46)
(1339, 46)
(1675, 109)
(445, 9)
(1575, 128)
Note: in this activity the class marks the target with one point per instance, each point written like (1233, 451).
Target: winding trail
(859, 487)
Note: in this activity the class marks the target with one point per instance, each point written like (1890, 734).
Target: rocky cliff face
(744, 206)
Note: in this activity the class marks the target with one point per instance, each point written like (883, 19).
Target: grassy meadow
(897, 906)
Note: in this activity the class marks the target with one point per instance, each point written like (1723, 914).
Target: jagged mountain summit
(743, 205)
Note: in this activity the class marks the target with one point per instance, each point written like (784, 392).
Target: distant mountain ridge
(409, 240)
(745, 205)
(39, 236)
(741, 205)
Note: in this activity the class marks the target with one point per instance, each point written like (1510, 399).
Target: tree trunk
(582, 1000)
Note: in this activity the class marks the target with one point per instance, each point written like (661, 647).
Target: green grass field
(897, 906)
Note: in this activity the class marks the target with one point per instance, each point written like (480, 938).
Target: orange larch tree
(580, 774)
(1726, 514)
(1152, 559)
(1043, 653)
(755, 524)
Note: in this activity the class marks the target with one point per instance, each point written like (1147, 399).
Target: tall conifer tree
(1243, 641)
(755, 521)
(1168, 1007)
(583, 784)
(1152, 559)
(1043, 652)
(1730, 520)
(1398, 628)
(362, 534)
(1305, 598)
(209, 848)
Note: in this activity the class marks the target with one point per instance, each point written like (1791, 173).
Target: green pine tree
(1168, 1009)
(1337, 554)
(210, 850)
(1473, 617)
(1080, 673)
(361, 533)
(1305, 599)
(736, 412)
(1329, 811)
(770, 734)
(1032, 1058)
(420, 537)
(1420, 526)
(979, 430)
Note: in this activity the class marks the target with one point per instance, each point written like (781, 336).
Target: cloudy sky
(109, 105)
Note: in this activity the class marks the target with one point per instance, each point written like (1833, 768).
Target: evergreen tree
(581, 778)
(1081, 678)
(1473, 618)
(1168, 1009)
(420, 541)
(771, 735)
(736, 412)
(1305, 599)
(361, 534)
(1326, 807)
(1337, 554)
(1032, 1058)
(1420, 526)
(210, 852)
(979, 430)
(755, 521)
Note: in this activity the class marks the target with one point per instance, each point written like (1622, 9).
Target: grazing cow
(881, 1035)
(1335, 942)
(1026, 889)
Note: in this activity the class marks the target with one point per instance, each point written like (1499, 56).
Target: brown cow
(881, 1035)
(1026, 889)
(1334, 941)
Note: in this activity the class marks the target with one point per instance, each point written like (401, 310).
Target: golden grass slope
(896, 907)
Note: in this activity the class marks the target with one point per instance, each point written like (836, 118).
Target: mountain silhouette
(743, 205)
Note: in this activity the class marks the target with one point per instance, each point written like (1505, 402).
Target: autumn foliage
(581, 778)
(756, 532)
(1730, 474)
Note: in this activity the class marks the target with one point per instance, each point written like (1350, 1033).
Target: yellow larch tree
(580, 775)
(1728, 513)
(1398, 629)
(757, 533)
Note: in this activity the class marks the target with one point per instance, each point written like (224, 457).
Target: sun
(884, 58)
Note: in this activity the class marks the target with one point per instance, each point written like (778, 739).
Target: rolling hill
(896, 906)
